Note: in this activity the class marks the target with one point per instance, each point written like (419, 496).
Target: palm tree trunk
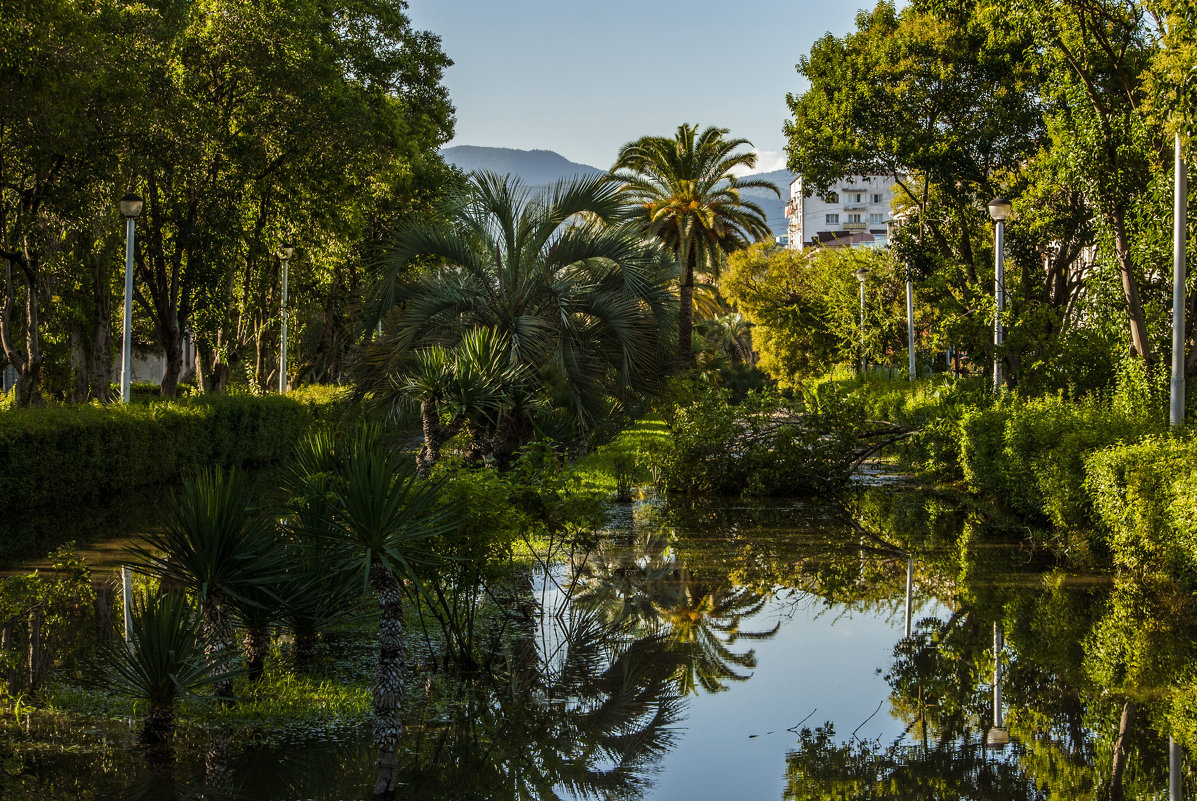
(257, 648)
(685, 316)
(219, 643)
(158, 725)
(388, 680)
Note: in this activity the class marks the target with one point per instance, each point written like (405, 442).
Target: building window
(853, 218)
(831, 197)
(876, 218)
(876, 198)
(859, 196)
(833, 219)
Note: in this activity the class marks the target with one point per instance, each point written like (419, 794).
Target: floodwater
(723, 650)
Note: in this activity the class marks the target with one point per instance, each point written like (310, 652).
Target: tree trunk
(1120, 751)
(171, 336)
(431, 451)
(1130, 289)
(305, 646)
(219, 643)
(685, 316)
(257, 648)
(27, 362)
(158, 725)
(388, 680)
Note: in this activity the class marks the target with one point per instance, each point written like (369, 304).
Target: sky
(583, 77)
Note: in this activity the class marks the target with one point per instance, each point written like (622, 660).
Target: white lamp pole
(861, 275)
(999, 210)
(130, 209)
(910, 321)
(998, 736)
(1176, 406)
(285, 252)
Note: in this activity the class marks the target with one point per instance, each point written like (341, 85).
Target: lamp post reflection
(998, 737)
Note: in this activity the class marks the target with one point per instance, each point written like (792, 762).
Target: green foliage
(65, 454)
(163, 661)
(1029, 455)
(765, 445)
(1144, 495)
(49, 620)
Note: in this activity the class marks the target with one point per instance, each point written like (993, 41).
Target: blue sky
(582, 78)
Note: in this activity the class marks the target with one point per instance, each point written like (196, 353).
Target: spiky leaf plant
(164, 661)
(217, 545)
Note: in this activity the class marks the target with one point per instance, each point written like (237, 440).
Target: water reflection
(685, 649)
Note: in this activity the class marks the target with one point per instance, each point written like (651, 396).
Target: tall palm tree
(572, 292)
(687, 196)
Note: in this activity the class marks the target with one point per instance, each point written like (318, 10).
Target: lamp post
(999, 736)
(999, 210)
(284, 254)
(131, 206)
(861, 275)
(1176, 405)
(910, 321)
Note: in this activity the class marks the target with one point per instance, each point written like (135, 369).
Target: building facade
(856, 213)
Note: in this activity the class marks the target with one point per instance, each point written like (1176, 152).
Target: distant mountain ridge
(533, 167)
(542, 167)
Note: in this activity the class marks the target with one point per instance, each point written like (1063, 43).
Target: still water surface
(754, 651)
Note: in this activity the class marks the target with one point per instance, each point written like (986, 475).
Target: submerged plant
(164, 660)
(216, 545)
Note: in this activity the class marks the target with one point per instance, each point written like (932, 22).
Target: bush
(1145, 497)
(762, 446)
(64, 454)
(1029, 455)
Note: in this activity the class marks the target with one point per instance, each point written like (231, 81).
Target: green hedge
(1028, 456)
(1145, 497)
(64, 454)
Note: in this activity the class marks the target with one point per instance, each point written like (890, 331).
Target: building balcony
(855, 226)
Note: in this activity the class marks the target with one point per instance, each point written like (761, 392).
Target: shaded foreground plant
(386, 515)
(164, 661)
(216, 545)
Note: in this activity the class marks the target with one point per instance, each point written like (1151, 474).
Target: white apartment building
(856, 213)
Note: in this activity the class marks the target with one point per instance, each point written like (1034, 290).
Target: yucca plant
(216, 545)
(164, 660)
(385, 515)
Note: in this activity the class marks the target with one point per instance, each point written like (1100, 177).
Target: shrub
(765, 445)
(1029, 455)
(1144, 495)
(64, 454)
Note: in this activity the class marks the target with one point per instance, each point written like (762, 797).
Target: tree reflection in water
(586, 710)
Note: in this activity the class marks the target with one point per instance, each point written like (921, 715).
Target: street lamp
(285, 251)
(131, 206)
(1176, 405)
(861, 275)
(999, 210)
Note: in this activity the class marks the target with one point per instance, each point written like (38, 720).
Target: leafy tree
(686, 195)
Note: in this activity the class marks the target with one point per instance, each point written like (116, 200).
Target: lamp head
(285, 251)
(131, 206)
(862, 274)
(999, 208)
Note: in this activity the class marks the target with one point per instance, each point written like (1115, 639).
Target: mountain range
(543, 167)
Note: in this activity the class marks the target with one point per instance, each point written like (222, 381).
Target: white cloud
(766, 161)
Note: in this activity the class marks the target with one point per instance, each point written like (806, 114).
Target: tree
(686, 196)
(385, 516)
(574, 297)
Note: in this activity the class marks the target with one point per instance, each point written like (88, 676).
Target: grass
(624, 462)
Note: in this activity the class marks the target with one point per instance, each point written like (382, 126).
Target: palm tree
(574, 296)
(687, 197)
(386, 515)
(164, 660)
(216, 545)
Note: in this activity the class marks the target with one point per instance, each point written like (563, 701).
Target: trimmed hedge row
(1145, 496)
(1029, 456)
(64, 454)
